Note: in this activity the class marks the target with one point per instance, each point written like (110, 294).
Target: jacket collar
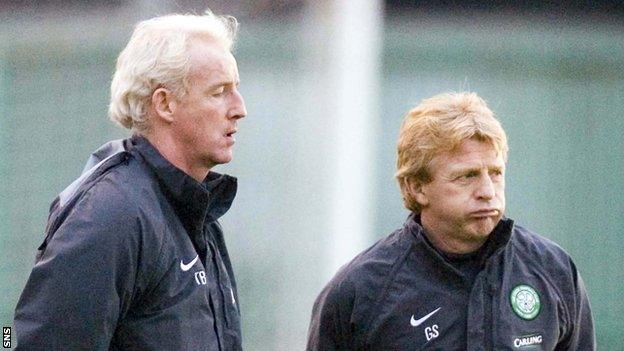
(499, 237)
(193, 202)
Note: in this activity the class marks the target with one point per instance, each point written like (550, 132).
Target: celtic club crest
(525, 302)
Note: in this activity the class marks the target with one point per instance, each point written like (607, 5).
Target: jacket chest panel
(181, 278)
(204, 281)
(419, 316)
(514, 306)
(527, 312)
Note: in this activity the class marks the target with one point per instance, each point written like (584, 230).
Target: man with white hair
(458, 275)
(134, 256)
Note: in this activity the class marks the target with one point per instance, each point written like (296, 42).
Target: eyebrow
(462, 171)
(224, 82)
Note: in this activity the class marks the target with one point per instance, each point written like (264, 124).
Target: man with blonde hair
(458, 275)
(134, 256)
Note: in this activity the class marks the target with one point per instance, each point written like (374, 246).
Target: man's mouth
(229, 137)
(486, 212)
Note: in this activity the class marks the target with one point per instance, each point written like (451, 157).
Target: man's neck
(177, 155)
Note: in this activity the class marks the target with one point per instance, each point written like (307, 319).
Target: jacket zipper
(489, 318)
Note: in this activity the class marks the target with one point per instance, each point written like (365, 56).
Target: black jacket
(133, 259)
(403, 294)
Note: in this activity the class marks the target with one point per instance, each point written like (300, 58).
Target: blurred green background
(555, 83)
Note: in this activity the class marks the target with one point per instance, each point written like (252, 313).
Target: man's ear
(418, 190)
(164, 104)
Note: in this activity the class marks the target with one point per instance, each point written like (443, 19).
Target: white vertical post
(356, 68)
(330, 180)
(349, 49)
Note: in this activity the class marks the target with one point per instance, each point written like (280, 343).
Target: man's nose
(237, 109)
(485, 189)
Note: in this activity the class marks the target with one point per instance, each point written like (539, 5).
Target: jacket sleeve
(330, 327)
(83, 282)
(582, 336)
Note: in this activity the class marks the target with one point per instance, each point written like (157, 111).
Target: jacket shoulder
(547, 257)
(375, 264)
(340, 311)
(363, 280)
(111, 205)
(123, 185)
(538, 248)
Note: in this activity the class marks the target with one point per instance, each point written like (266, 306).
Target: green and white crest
(525, 302)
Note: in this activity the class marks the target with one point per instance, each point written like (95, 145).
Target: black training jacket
(401, 294)
(133, 259)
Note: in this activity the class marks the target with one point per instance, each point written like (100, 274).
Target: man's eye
(465, 177)
(218, 92)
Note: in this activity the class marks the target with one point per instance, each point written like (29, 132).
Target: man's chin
(482, 227)
(220, 160)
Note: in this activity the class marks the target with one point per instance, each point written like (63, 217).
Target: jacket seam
(158, 265)
(384, 292)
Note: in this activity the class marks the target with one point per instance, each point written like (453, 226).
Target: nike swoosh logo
(418, 322)
(186, 267)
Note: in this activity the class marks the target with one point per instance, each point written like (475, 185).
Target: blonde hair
(157, 55)
(439, 124)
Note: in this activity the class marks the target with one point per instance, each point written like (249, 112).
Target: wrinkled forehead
(469, 153)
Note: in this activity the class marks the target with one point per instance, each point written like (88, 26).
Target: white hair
(157, 55)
